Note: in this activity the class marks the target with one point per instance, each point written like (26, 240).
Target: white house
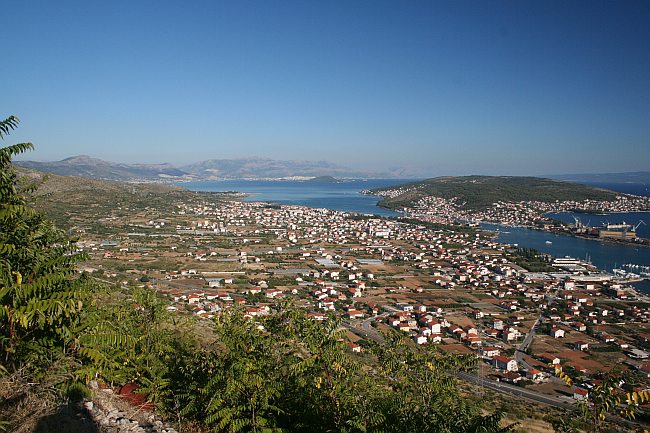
(549, 358)
(356, 293)
(490, 352)
(354, 314)
(505, 363)
(420, 339)
(580, 394)
(273, 293)
(534, 375)
(355, 347)
(214, 282)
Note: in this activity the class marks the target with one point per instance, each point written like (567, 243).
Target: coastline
(253, 197)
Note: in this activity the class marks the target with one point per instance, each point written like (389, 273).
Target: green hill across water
(478, 192)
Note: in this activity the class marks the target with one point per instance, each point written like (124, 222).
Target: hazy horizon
(415, 175)
(435, 89)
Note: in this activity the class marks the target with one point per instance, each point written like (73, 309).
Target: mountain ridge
(211, 169)
(260, 168)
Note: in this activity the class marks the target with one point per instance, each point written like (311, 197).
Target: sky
(430, 87)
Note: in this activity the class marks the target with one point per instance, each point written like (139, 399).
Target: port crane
(579, 226)
(638, 224)
(577, 221)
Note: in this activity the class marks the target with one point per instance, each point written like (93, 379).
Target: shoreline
(645, 242)
(250, 197)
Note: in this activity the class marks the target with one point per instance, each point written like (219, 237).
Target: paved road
(519, 353)
(562, 403)
(366, 330)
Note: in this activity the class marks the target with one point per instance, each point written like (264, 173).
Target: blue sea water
(642, 189)
(344, 196)
(604, 255)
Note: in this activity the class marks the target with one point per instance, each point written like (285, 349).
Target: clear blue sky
(494, 87)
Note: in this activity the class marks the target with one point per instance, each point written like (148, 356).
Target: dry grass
(530, 425)
(38, 407)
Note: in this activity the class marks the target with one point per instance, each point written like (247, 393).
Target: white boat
(548, 242)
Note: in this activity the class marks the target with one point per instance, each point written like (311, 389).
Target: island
(513, 200)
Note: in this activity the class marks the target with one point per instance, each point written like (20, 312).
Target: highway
(506, 388)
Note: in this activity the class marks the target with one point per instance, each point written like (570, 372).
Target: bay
(343, 196)
(605, 255)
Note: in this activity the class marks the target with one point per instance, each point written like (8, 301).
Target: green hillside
(476, 192)
(74, 201)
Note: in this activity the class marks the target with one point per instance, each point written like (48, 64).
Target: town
(532, 214)
(526, 213)
(451, 287)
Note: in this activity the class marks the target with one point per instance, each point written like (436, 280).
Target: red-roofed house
(505, 363)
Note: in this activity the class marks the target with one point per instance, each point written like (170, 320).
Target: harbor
(611, 227)
(607, 256)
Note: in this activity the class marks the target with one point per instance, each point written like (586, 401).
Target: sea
(346, 196)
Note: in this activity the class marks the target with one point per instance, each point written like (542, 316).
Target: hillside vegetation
(476, 192)
(284, 372)
(66, 199)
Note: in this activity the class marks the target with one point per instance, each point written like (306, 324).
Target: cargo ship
(624, 232)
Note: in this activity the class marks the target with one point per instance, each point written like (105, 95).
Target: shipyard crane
(577, 221)
(638, 224)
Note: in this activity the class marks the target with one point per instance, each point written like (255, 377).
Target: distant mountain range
(85, 166)
(213, 169)
(258, 168)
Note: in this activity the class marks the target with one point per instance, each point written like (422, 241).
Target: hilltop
(94, 168)
(479, 192)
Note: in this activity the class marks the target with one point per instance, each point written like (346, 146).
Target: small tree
(606, 400)
(39, 297)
